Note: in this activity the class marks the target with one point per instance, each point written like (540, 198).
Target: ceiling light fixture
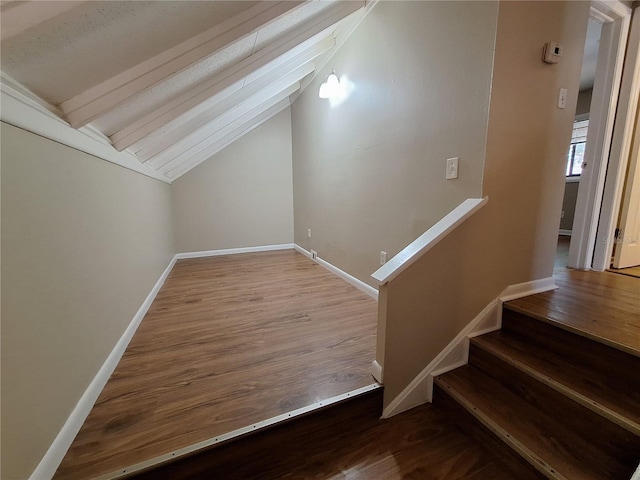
(331, 88)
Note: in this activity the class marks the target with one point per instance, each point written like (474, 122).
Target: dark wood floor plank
(612, 445)
(349, 442)
(550, 441)
(229, 341)
(468, 423)
(599, 305)
(611, 387)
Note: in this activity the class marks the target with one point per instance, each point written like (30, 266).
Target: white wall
(369, 174)
(240, 197)
(513, 238)
(83, 243)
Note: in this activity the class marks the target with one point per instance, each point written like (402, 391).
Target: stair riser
(469, 424)
(621, 367)
(609, 437)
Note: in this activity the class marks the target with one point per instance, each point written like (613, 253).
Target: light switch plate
(562, 98)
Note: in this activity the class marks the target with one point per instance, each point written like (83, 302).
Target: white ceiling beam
(18, 17)
(295, 41)
(103, 97)
(203, 96)
(26, 96)
(229, 138)
(240, 117)
(343, 32)
(25, 110)
(202, 138)
(259, 91)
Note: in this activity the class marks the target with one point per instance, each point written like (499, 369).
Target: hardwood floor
(350, 442)
(232, 341)
(631, 271)
(229, 341)
(599, 305)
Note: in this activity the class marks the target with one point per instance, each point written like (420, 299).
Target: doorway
(579, 135)
(626, 250)
(620, 204)
(597, 204)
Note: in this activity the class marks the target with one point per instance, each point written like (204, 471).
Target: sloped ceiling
(170, 83)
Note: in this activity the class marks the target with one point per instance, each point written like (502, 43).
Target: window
(575, 156)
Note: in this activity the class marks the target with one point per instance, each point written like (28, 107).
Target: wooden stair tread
(602, 390)
(601, 305)
(612, 439)
(552, 335)
(550, 446)
(469, 424)
(613, 312)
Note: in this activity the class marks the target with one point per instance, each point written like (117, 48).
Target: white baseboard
(233, 251)
(454, 355)
(528, 288)
(360, 285)
(52, 459)
(306, 253)
(566, 233)
(376, 371)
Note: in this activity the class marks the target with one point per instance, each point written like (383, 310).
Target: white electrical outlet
(383, 258)
(308, 233)
(314, 255)
(452, 168)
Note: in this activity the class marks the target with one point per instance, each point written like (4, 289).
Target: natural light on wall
(334, 89)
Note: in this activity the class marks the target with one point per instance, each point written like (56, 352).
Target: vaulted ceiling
(167, 83)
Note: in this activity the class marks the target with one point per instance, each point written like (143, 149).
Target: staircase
(563, 405)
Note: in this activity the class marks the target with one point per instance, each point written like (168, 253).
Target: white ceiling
(170, 82)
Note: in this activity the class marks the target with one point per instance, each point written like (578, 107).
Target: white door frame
(620, 150)
(615, 18)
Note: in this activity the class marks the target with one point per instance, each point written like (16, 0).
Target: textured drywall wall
(240, 197)
(369, 174)
(83, 243)
(513, 238)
